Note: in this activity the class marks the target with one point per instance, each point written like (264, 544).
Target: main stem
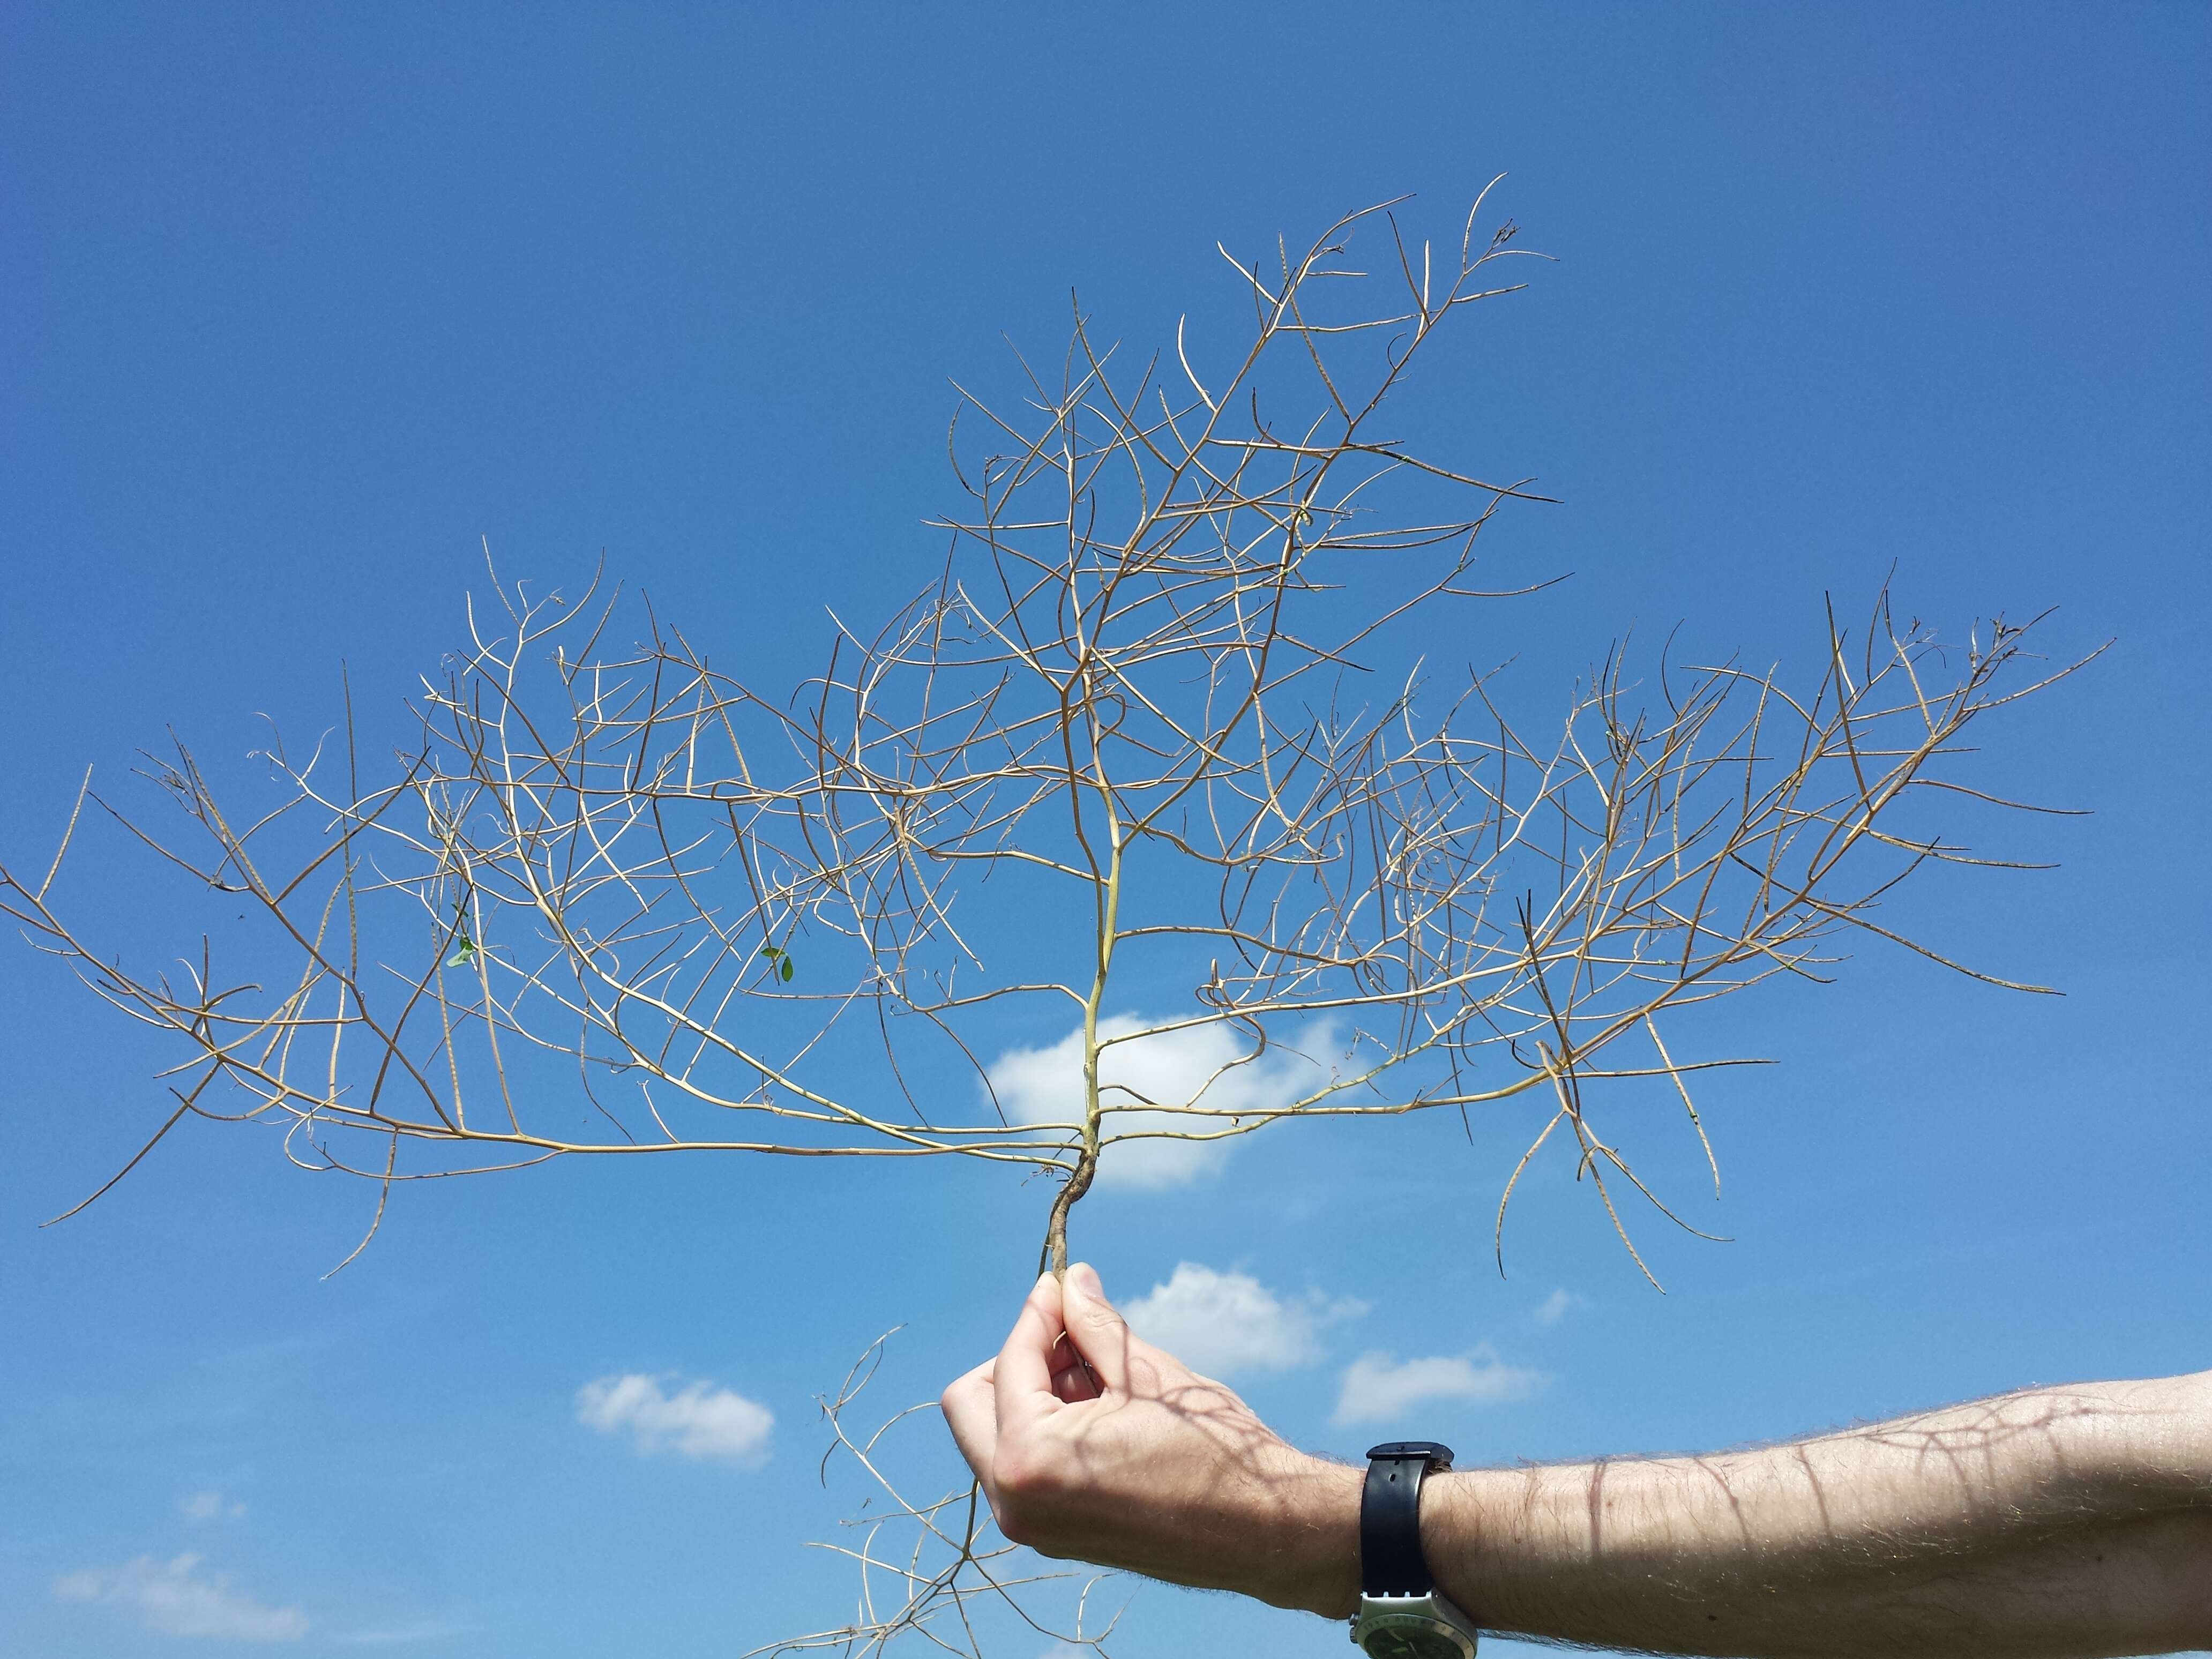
(1054, 1255)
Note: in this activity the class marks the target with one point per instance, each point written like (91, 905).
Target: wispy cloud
(1378, 1389)
(1555, 1307)
(1201, 1065)
(173, 1597)
(1223, 1323)
(422, 1630)
(698, 1419)
(210, 1506)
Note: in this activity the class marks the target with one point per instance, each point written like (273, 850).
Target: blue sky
(304, 302)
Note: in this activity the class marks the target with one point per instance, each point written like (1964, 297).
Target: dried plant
(936, 1569)
(1129, 747)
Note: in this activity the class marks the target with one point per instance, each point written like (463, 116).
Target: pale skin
(2070, 1520)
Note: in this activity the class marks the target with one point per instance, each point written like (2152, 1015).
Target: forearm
(2057, 1522)
(2070, 1520)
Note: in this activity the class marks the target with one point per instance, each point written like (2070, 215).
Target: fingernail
(1086, 1280)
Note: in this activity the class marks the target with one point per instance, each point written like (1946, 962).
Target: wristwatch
(1401, 1616)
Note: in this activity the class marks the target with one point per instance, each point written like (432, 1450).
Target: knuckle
(964, 1392)
(1019, 1478)
(1029, 1498)
(1031, 1483)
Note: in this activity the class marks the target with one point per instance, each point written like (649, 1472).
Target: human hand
(1091, 1442)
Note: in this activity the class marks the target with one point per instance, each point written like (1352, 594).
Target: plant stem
(1054, 1258)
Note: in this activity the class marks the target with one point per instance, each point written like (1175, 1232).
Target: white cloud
(1221, 1323)
(1553, 1308)
(1377, 1388)
(697, 1420)
(169, 1596)
(1194, 1066)
(422, 1630)
(209, 1506)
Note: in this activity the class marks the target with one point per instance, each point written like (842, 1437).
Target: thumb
(1099, 1333)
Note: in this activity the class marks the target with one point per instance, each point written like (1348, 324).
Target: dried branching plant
(1128, 750)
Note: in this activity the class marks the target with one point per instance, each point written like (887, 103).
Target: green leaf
(787, 970)
(770, 951)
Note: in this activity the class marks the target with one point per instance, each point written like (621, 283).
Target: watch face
(1411, 1641)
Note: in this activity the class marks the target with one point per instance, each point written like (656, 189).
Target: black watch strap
(1390, 1559)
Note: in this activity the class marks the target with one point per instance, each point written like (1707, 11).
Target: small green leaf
(787, 970)
(770, 951)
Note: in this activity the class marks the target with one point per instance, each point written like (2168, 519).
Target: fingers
(971, 1411)
(1042, 1366)
(1022, 1378)
(1096, 1330)
(1072, 1382)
